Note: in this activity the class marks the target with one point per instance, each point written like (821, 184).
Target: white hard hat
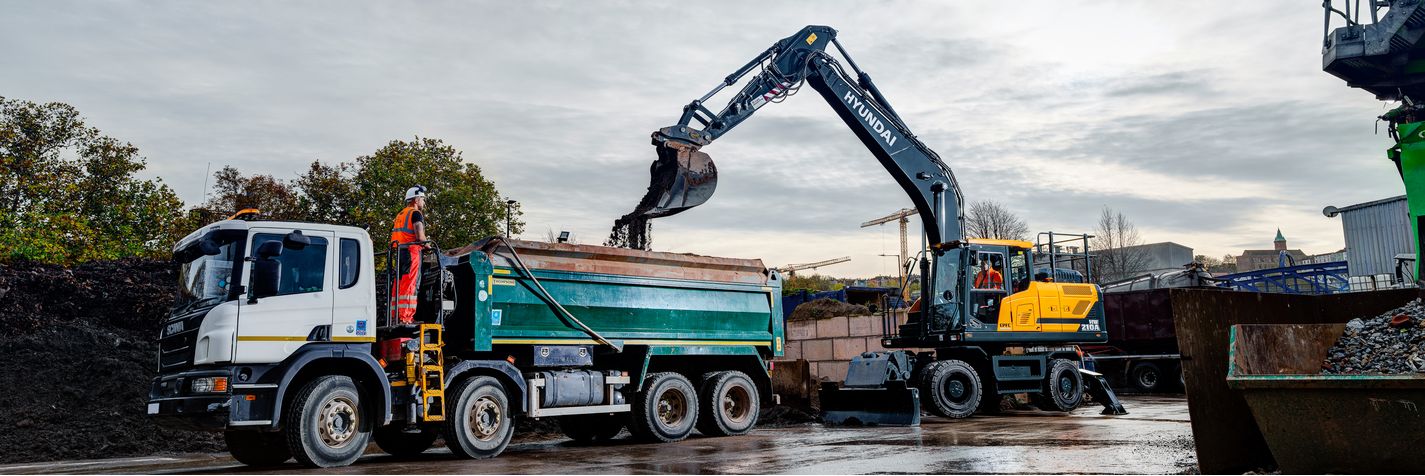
(416, 191)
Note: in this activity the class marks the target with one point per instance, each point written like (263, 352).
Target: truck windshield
(206, 280)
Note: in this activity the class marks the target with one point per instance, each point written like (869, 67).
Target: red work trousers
(406, 285)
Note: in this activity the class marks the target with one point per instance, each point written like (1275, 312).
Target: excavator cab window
(988, 283)
(1019, 270)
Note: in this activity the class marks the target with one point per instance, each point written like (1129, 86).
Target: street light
(509, 215)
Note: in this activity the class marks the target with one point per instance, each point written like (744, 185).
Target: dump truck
(283, 338)
(1013, 333)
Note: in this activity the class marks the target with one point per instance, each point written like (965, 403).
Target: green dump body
(672, 303)
(1324, 424)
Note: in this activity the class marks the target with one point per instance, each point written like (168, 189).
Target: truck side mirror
(266, 271)
(296, 240)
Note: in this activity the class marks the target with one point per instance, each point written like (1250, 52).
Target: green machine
(1378, 49)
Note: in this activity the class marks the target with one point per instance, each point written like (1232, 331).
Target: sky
(1210, 126)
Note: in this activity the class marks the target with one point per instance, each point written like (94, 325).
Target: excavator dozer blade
(891, 405)
(682, 178)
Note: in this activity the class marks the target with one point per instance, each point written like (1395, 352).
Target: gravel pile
(1391, 343)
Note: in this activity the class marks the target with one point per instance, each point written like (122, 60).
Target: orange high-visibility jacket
(403, 231)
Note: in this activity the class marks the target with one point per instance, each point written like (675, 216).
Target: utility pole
(509, 215)
(903, 217)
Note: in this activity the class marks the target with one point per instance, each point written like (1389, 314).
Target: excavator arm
(777, 73)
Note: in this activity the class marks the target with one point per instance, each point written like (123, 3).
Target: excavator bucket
(875, 393)
(682, 178)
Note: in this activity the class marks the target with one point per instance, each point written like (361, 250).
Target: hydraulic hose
(549, 299)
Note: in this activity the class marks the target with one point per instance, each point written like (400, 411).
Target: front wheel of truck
(324, 427)
(480, 423)
(257, 448)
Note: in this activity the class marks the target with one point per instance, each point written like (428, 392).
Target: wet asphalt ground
(1154, 437)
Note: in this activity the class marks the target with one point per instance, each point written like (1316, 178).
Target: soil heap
(1391, 343)
(81, 350)
(826, 309)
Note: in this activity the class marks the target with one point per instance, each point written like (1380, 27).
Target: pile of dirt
(826, 309)
(1391, 343)
(80, 352)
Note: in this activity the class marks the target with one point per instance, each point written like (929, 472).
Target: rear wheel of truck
(730, 404)
(952, 388)
(480, 423)
(591, 428)
(257, 448)
(324, 427)
(666, 409)
(1146, 377)
(396, 442)
(1065, 390)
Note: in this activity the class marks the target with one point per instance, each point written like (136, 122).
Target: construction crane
(902, 216)
(792, 269)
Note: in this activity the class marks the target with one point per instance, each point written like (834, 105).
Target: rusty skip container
(1317, 423)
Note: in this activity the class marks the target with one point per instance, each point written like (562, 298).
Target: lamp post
(509, 215)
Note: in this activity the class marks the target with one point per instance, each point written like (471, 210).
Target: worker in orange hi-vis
(409, 227)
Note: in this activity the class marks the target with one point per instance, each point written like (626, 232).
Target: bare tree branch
(990, 219)
(1116, 248)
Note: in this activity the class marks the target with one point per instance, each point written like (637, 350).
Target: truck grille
(175, 352)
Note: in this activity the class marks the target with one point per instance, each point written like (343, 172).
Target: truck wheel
(730, 404)
(480, 423)
(257, 448)
(1146, 377)
(396, 442)
(591, 428)
(953, 388)
(666, 409)
(1066, 388)
(324, 427)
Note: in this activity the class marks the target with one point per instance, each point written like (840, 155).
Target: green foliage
(462, 206)
(814, 283)
(69, 194)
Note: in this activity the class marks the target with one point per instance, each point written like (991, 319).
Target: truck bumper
(173, 404)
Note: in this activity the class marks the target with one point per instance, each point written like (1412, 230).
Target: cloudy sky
(1209, 126)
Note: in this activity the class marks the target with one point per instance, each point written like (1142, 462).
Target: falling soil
(80, 350)
(1391, 343)
(826, 309)
(681, 178)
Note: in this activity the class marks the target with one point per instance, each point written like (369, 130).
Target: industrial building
(1278, 256)
(1377, 236)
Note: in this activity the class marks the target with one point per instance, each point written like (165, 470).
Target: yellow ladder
(425, 368)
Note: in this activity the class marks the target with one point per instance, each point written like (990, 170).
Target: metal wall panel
(1375, 233)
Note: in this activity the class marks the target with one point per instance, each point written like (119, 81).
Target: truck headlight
(210, 385)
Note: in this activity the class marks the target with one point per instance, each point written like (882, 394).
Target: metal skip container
(1317, 423)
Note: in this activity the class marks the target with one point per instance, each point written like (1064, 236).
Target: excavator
(1384, 56)
(1015, 334)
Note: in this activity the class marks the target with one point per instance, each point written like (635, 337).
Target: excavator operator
(992, 276)
(409, 230)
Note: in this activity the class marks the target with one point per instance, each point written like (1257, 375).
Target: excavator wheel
(1065, 388)
(953, 388)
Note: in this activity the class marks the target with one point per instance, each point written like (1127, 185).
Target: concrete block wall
(829, 344)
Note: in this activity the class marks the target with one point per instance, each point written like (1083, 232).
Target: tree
(233, 192)
(1117, 254)
(990, 219)
(462, 206)
(1207, 261)
(68, 193)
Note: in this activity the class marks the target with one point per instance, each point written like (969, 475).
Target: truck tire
(324, 427)
(952, 388)
(1146, 377)
(396, 442)
(257, 448)
(480, 423)
(593, 427)
(1064, 388)
(666, 409)
(730, 404)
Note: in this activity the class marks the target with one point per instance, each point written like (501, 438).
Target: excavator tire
(1065, 388)
(952, 388)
